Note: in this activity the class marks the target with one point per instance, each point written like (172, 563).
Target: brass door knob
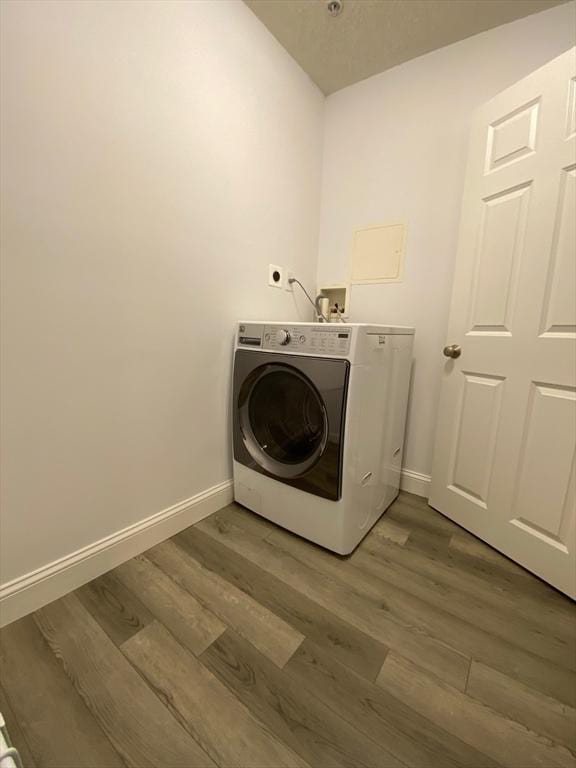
(453, 351)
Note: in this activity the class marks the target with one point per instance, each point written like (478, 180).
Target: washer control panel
(321, 339)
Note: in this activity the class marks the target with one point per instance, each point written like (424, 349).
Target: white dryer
(319, 411)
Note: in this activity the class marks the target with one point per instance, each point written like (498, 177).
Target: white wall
(395, 150)
(156, 156)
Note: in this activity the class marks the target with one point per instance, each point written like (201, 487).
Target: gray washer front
(288, 418)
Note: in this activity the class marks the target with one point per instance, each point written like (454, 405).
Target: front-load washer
(319, 411)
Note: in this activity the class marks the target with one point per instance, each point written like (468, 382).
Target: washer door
(283, 420)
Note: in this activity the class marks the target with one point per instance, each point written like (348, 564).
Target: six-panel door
(504, 463)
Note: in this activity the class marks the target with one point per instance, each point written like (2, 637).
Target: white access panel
(378, 254)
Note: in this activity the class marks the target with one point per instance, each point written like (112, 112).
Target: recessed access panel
(378, 254)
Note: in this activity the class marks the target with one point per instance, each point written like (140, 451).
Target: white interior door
(504, 462)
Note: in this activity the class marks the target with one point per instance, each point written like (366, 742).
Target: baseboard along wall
(415, 482)
(31, 591)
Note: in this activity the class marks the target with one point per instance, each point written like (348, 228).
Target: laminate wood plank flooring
(216, 718)
(294, 714)
(379, 715)
(551, 609)
(55, 722)
(458, 620)
(189, 621)
(116, 608)
(512, 627)
(476, 724)
(135, 720)
(266, 631)
(521, 703)
(370, 615)
(238, 644)
(339, 638)
(16, 733)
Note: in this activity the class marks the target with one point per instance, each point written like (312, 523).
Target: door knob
(453, 350)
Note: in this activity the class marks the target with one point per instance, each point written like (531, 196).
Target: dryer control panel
(318, 339)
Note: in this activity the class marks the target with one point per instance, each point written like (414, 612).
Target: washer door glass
(283, 420)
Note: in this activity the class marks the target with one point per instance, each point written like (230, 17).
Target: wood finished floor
(238, 644)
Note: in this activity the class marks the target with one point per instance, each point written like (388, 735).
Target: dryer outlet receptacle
(275, 276)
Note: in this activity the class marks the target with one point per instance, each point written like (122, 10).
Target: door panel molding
(559, 308)
(475, 439)
(512, 137)
(500, 249)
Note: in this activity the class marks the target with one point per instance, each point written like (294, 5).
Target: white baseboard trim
(33, 590)
(415, 482)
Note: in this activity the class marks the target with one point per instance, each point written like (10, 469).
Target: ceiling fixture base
(334, 7)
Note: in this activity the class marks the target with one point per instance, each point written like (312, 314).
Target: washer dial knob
(284, 337)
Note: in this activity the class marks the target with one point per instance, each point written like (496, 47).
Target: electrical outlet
(275, 276)
(289, 286)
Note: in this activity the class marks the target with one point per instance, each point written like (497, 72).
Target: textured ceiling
(370, 36)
